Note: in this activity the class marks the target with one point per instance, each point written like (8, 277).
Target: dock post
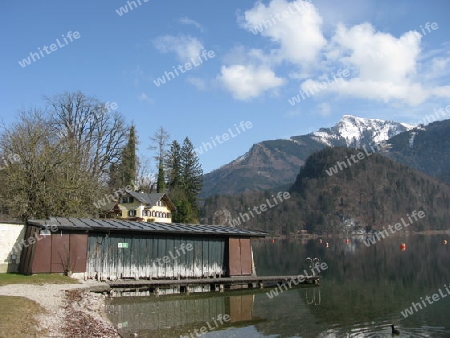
(156, 292)
(261, 285)
(221, 287)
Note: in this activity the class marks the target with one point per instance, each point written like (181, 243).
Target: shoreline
(69, 309)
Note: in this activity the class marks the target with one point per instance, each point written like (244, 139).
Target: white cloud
(187, 21)
(383, 67)
(145, 98)
(197, 82)
(185, 47)
(324, 109)
(377, 56)
(247, 81)
(294, 26)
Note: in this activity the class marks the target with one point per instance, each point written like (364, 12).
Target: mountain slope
(426, 149)
(271, 164)
(370, 194)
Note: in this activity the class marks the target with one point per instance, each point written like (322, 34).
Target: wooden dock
(216, 284)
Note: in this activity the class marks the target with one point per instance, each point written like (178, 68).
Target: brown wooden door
(240, 257)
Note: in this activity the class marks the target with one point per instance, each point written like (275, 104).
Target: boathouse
(115, 249)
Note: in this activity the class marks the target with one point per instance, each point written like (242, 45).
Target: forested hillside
(367, 195)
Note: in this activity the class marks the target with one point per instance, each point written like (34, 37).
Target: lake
(362, 292)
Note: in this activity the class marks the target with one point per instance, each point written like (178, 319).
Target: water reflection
(362, 292)
(176, 315)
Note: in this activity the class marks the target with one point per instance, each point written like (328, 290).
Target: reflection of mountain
(365, 288)
(362, 292)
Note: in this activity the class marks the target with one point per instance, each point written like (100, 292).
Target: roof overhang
(114, 225)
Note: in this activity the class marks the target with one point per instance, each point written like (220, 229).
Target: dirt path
(70, 311)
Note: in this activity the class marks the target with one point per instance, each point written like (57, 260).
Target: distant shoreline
(330, 235)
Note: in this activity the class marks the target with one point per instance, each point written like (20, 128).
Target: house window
(127, 199)
(131, 213)
(169, 215)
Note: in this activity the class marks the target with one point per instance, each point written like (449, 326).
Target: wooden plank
(178, 254)
(183, 258)
(221, 267)
(201, 281)
(90, 257)
(189, 259)
(213, 256)
(234, 257)
(246, 256)
(38, 256)
(108, 256)
(78, 251)
(155, 269)
(198, 259)
(126, 251)
(170, 251)
(119, 255)
(161, 253)
(60, 260)
(206, 267)
(145, 249)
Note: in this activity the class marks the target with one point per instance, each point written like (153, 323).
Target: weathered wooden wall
(54, 253)
(108, 259)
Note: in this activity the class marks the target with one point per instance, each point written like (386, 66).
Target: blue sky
(394, 71)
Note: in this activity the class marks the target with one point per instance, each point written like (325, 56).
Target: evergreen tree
(124, 172)
(129, 160)
(173, 166)
(191, 175)
(161, 183)
(159, 143)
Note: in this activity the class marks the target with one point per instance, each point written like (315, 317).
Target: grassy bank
(15, 278)
(18, 313)
(17, 317)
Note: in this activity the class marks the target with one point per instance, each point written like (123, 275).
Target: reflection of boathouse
(114, 249)
(174, 316)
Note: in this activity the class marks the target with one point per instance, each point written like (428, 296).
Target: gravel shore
(71, 310)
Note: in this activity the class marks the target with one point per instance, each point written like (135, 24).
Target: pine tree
(161, 182)
(124, 172)
(173, 166)
(191, 175)
(159, 143)
(128, 165)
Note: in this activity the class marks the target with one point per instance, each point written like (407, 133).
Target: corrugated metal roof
(90, 224)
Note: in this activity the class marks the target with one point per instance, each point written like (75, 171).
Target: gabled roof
(112, 225)
(151, 199)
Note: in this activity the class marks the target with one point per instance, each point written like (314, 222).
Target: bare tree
(146, 176)
(93, 135)
(44, 181)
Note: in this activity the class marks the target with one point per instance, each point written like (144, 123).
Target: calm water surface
(362, 292)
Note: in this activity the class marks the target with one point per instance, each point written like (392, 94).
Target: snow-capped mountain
(352, 131)
(274, 163)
